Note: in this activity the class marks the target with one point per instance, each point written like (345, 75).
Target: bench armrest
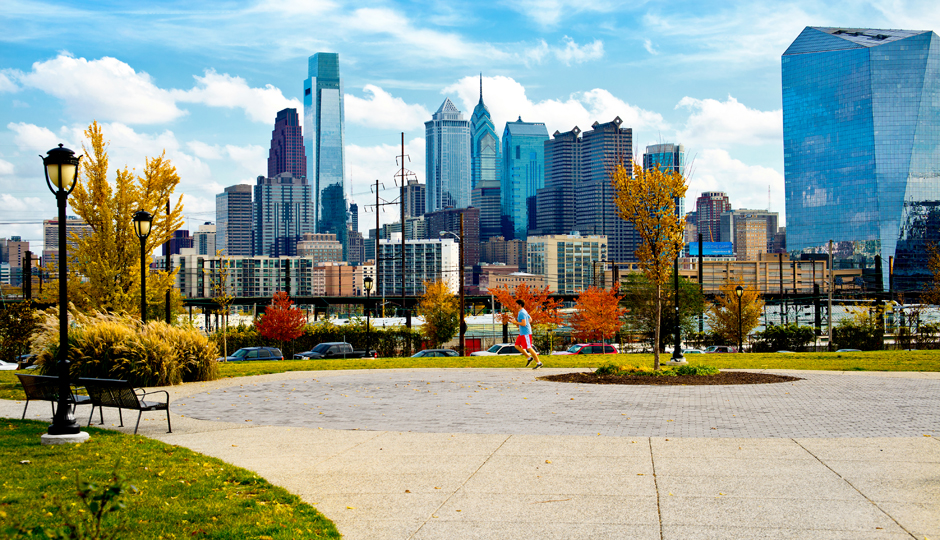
(164, 392)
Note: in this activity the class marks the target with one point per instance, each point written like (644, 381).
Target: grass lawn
(180, 494)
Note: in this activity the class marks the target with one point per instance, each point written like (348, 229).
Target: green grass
(180, 493)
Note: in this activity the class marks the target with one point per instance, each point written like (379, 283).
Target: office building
(523, 173)
(861, 130)
(74, 226)
(691, 228)
(323, 142)
(233, 220)
(283, 212)
(447, 147)
(567, 261)
(180, 239)
(494, 276)
(425, 261)
(555, 204)
(204, 239)
(750, 237)
(258, 277)
(668, 156)
(415, 200)
(355, 251)
(287, 146)
(321, 247)
(449, 220)
(708, 209)
(353, 217)
(730, 221)
(485, 169)
(498, 250)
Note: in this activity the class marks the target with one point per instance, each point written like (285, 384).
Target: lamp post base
(68, 438)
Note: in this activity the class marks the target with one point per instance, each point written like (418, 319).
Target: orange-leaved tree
(281, 320)
(542, 308)
(723, 312)
(598, 314)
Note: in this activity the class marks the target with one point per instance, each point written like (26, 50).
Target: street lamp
(61, 168)
(142, 222)
(367, 285)
(463, 327)
(739, 292)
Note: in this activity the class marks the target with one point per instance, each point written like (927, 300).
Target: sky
(203, 82)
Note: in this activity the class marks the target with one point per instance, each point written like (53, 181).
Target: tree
(220, 287)
(104, 266)
(18, 321)
(598, 315)
(281, 320)
(932, 292)
(441, 312)
(647, 199)
(542, 308)
(723, 312)
(639, 298)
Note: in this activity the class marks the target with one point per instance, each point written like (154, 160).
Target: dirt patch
(725, 377)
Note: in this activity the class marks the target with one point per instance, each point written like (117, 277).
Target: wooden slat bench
(120, 394)
(46, 388)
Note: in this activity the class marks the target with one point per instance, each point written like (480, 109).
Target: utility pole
(169, 263)
(463, 324)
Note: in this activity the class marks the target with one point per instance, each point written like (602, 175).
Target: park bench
(46, 388)
(120, 394)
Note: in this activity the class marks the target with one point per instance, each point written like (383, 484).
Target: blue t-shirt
(525, 329)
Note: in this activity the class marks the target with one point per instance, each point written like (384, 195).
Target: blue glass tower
(523, 173)
(485, 169)
(861, 129)
(667, 156)
(447, 148)
(323, 141)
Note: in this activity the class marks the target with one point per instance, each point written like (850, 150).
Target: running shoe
(537, 365)
(528, 362)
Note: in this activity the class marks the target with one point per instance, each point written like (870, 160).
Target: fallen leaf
(548, 461)
(407, 491)
(350, 508)
(25, 462)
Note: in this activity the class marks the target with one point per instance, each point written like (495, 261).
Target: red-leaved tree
(281, 321)
(542, 309)
(598, 314)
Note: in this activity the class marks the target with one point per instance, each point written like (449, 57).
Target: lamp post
(677, 357)
(142, 222)
(739, 292)
(61, 168)
(463, 327)
(367, 285)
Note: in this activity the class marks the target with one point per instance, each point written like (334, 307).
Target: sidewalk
(493, 453)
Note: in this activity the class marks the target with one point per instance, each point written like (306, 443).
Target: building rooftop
(819, 39)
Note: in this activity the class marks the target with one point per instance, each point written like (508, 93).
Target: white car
(7, 366)
(497, 350)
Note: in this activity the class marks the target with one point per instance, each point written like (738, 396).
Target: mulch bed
(724, 377)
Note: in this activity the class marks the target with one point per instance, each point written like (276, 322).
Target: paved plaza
(496, 453)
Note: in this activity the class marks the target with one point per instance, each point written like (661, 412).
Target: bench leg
(138, 421)
(92, 415)
(168, 426)
(24, 410)
(121, 416)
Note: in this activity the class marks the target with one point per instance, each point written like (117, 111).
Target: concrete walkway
(432, 454)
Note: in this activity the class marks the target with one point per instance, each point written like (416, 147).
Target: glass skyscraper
(282, 214)
(861, 129)
(522, 175)
(447, 138)
(323, 141)
(671, 156)
(485, 169)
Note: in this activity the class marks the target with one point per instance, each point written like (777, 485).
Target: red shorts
(524, 341)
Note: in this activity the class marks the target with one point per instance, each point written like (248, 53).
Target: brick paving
(509, 401)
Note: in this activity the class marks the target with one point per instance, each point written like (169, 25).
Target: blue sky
(203, 80)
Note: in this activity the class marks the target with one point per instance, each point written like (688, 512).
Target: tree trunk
(659, 314)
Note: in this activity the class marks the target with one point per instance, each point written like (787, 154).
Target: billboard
(711, 249)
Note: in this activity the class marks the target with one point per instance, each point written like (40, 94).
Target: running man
(524, 340)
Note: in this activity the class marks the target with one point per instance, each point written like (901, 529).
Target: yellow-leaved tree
(723, 312)
(105, 265)
(647, 199)
(441, 312)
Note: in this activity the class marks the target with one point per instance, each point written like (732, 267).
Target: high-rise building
(708, 209)
(750, 237)
(861, 130)
(730, 225)
(204, 239)
(181, 239)
(233, 220)
(555, 202)
(498, 250)
(414, 199)
(287, 146)
(447, 143)
(321, 247)
(602, 149)
(353, 217)
(667, 156)
(323, 141)
(566, 260)
(523, 173)
(74, 225)
(425, 260)
(355, 252)
(485, 169)
(449, 220)
(283, 212)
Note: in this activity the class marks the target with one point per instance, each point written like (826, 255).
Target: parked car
(849, 350)
(27, 361)
(254, 353)
(720, 349)
(692, 351)
(589, 348)
(334, 349)
(7, 366)
(434, 352)
(498, 349)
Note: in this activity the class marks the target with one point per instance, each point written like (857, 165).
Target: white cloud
(648, 45)
(550, 12)
(295, 8)
(224, 90)
(572, 52)
(7, 84)
(715, 170)
(251, 158)
(9, 203)
(365, 164)
(6, 168)
(205, 151)
(32, 138)
(713, 122)
(507, 100)
(106, 89)
(381, 110)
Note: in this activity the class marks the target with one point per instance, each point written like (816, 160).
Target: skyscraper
(485, 169)
(861, 131)
(523, 173)
(323, 138)
(415, 200)
(671, 156)
(283, 212)
(233, 220)
(555, 202)
(447, 137)
(287, 146)
(708, 209)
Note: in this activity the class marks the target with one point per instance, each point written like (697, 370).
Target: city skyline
(707, 79)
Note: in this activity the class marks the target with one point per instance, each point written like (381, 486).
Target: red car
(589, 348)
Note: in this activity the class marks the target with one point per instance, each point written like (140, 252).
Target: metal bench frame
(46, 388)
(119, 394)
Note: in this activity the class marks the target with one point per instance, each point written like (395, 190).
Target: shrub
(850, 334)
(392, 341)
(613, 369)
(696, 370)
(784, 337)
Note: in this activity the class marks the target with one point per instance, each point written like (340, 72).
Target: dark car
(254, 353)
(589, 348)
(434, 352)
(334, 349)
